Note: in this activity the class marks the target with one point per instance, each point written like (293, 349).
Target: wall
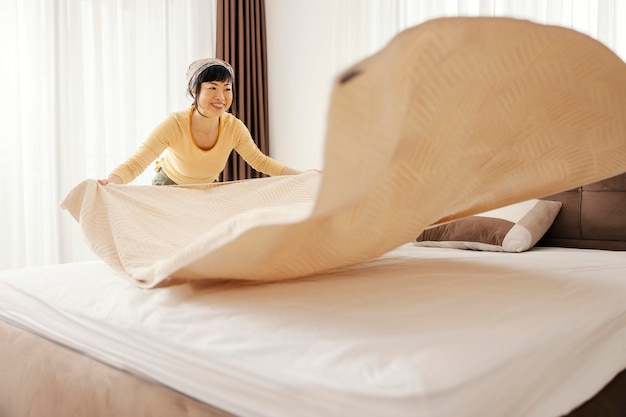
(309, 43)
(298, 43)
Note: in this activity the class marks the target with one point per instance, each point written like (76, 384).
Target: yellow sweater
(184, 162)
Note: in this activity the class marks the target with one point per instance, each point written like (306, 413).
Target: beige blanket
(453, 117)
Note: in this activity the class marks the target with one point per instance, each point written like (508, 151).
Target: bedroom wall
(309, 43)
(298, 39)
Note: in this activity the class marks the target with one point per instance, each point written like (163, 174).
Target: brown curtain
(241, 42)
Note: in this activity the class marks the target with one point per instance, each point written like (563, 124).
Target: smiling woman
(199, 139)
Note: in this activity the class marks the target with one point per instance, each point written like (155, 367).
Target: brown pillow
(514, 228)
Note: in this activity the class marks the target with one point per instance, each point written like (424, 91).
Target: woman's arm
(158, 140)
(249, 151)
(289, 171)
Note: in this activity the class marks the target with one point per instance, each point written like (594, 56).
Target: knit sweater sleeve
(154, 145)
(249, 151)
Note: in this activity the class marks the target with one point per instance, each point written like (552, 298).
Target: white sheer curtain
(82, 82)
(361, 27)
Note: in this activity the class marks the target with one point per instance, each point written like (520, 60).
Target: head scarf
(196, 68)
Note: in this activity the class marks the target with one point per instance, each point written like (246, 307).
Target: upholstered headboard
(592, 216)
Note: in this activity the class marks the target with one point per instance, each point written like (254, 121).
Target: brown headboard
(592, 216)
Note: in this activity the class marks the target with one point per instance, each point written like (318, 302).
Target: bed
(453, 276)
(419, 331)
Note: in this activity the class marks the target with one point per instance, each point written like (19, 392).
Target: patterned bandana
(196, 68)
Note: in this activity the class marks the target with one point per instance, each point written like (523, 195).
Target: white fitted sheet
(417, 332)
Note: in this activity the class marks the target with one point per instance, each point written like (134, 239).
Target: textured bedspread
(453, 117)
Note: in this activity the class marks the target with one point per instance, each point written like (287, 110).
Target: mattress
(416, 332)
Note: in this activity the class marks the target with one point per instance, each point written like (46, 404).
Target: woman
(199, 139)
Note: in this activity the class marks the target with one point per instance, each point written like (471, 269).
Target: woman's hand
(113, 179)
(289, 171)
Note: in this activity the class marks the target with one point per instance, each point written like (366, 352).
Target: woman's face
(215, 97)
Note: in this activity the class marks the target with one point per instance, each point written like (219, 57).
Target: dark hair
(214, 73)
